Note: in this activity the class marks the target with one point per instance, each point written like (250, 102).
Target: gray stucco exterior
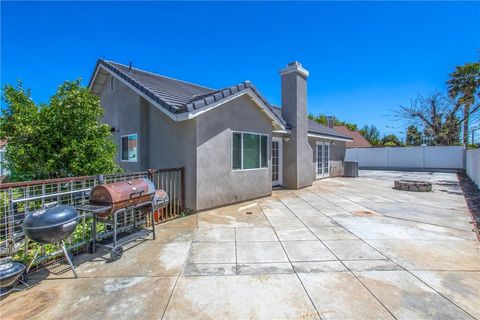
(202, 144)
(162, 143)
(296, 151)
(217, 183)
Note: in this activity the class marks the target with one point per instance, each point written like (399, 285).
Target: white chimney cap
(295, 67)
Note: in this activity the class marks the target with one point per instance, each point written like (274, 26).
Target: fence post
(150, 174)
(182, 182)
(423, 157)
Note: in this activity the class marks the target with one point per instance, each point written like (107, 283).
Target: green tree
(414, 136)
(391, 140)
(464, 86)
(62, 138)
(323, 119)
(371, 133)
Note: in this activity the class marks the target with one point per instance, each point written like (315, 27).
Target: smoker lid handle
(138, 193)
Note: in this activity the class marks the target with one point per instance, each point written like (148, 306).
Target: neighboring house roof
(359, 141)
(175, 96)
(3, 143)
(317, 128)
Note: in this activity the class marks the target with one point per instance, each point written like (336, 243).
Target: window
(129, 148)
(249, 151)
(111, 82)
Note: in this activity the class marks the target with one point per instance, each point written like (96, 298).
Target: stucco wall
(217, 184)
(123, 112)
(337, 155)
(163, 143)
(171, 145)
(296, 151)
(473, 165)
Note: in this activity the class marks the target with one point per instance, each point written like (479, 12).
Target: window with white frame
(249, 151)
(129, 148)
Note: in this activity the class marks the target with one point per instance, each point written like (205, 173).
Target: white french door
(323, 160)
(277, 153)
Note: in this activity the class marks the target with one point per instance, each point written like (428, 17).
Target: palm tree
(464, 85)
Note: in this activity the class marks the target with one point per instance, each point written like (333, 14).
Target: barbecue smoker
(124, 207)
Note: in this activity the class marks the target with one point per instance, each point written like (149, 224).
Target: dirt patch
(471, 193)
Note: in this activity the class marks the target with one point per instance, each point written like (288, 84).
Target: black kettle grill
(10, 273)
(52, 225)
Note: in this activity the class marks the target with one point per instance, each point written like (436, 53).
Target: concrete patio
(341, 249)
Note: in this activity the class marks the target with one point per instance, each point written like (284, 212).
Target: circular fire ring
(413, 185)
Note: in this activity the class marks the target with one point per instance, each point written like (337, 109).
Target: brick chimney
(297, 154)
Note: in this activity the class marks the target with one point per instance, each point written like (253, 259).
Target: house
(359, 140)
(233, 143)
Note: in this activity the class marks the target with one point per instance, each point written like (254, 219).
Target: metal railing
(19, 199)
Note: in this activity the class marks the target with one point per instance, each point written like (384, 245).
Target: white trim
(322, 136)
(241, 151)
(284, 131)
(326, 145)
(278, 182)
(121, 148)
(322, 145)
(194, 113)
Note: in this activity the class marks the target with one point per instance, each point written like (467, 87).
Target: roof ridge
(159, 75)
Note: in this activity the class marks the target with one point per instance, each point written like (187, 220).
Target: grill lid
(51, 217)
(10, 268)
(108, 194)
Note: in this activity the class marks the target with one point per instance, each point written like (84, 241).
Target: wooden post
(182, 188)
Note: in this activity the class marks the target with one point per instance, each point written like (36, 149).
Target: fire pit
(413, 185)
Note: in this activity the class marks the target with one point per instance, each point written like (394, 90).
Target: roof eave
(312, 134)
(190, 110)
(276, 122)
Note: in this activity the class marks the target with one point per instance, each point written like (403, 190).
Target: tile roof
(315, 127)
(359, 141)
(3, 143)
(178, 96)
(175, 95)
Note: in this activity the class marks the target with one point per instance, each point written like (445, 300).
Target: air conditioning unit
(350, 169)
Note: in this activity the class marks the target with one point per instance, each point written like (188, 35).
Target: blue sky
(365, 59)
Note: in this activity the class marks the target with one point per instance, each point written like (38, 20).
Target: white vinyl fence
(424, 158)
(473, 165)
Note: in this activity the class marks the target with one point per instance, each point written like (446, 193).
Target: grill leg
(115, 229)
(68, 259)
(94, 233)
(34, 258)
(152, 213)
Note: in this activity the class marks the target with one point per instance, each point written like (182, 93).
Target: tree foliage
(414, 136)
(323, 119)
(371, 133)
(391, 140)
(464, 86)
(62, 138)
